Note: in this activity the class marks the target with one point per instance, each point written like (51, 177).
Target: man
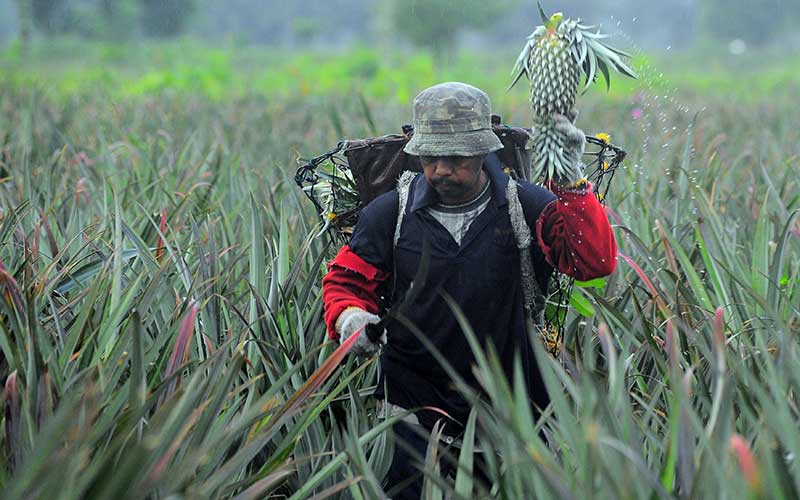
(462, 206)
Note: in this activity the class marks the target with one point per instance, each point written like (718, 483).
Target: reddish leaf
(13, 293)
(35, 243)
(44, 399)
(673, 264)
(640, 272)
(747, 462)
(654, 292)
(81, 191)
(13, 416)
(181, 349)
(719, 330)
(160, 242)
(161, 464)
(321, 375)
(672, 345)
(51, 239)
(614, 215)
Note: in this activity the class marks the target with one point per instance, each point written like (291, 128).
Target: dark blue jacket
(482, 276)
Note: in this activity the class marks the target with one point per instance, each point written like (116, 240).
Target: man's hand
(353, 319)
(574, 145)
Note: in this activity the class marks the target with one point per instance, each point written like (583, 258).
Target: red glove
(575, 236)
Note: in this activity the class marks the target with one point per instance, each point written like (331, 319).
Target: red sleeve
(575, 236)
(350, 282)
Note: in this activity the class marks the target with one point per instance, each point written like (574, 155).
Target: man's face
(457, 179)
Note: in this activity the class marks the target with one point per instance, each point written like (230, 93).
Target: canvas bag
(376, 163)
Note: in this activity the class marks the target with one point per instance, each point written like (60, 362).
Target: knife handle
(374, 331)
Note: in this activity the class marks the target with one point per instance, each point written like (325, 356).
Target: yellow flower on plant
(605, 165)
(604, 137)
(331, 215)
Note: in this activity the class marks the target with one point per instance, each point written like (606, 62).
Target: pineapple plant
(554, 58)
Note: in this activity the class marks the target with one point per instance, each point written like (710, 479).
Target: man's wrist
(579, 185)
(347, 313)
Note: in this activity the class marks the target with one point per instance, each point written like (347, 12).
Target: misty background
(442, 26)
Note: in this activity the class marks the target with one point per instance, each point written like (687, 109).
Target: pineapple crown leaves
(592, 54)
(554, 22)
(545, 18)
(586, 47)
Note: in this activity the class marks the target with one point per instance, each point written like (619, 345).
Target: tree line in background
(107, 19)
(436, 24)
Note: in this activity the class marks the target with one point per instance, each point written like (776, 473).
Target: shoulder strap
(403, 187)
(534, 298)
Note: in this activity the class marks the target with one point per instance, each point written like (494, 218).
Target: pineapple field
(161, 331)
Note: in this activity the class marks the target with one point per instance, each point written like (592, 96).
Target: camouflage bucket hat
(452, 119)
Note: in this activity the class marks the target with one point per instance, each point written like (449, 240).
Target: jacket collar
(424, 195)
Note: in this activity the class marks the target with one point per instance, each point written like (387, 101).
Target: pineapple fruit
(554, 58)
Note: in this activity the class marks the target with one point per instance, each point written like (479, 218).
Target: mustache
(443, 182)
